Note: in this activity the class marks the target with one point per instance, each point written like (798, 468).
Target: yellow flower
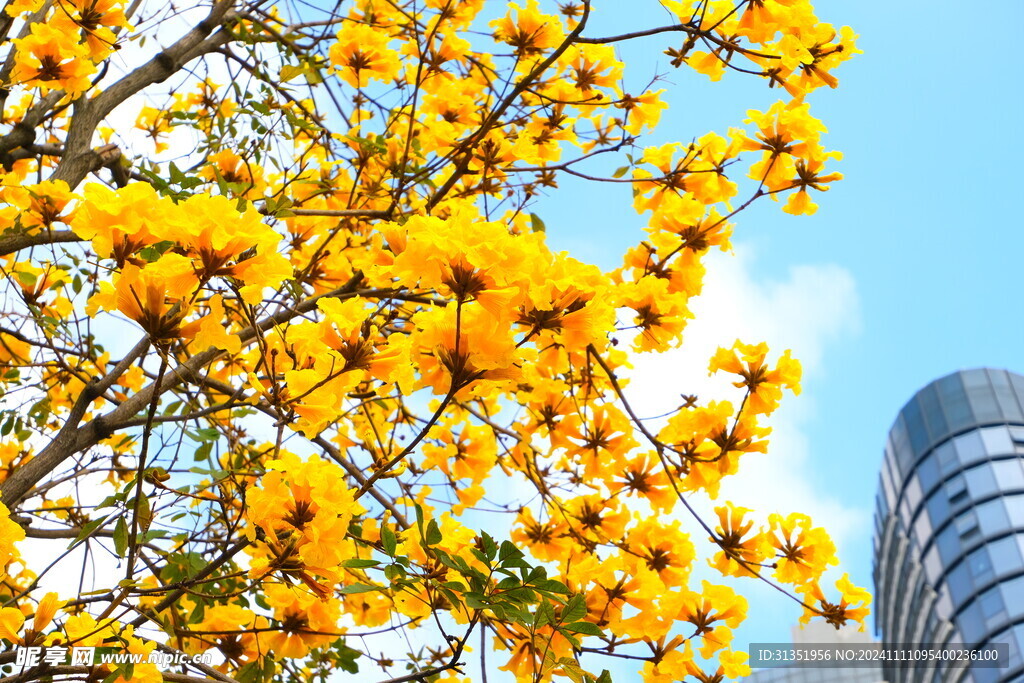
(16, 7)
(43, 204)
(362, 53)
(527, 30)
(599, 439)
(643, 476)
(852, 604)
(546, 540)
(661, 315)
(228, 166)
(157, 297)
(804, 551)
(643, 111)
(120, 222)
(741, 553)
(808, 175)
(157, 124)
(713, 604)
(238, 648)
(711, 64)
(96, 19)
(51, 59)
(461, 348)
(763, 384)
(304, 622)
(10, 533)
(224, 242)
(213, 329)
(11, 621)
(305, 508)
(663, 548)
(675, 661)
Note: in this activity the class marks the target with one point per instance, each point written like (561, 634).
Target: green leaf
(572, 669)
(204, 434)
(87, 530)
(575, 609)
(544, 615)
(357, 563)
(203, 452)
(394, 573)
(250, 673)
(388, 540)
(177, 177)
(433, 533)
(536, 224)
(290, 71)
(508, 550)
(144, 514)
(27, 279)
(475, 601)
(120, 537)
(535, 575)
(358, 588)
(551, 586)
(584, 627)
(619, 172)
(489, 546)
(346, 659)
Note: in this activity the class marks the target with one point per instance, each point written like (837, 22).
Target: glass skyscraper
(949, 525)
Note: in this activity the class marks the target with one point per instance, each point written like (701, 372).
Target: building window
(992, 517)
(1015, 508)
(947, 458)
(997, 440)
(969, 448)
(959, 583)
(956, 491)
(1008, 403)
(932, 566)
(981, 482)
(993, 609)
(954, 402)
(938, 508)
(1009, 474)
(971, 625)
(979, 565)
(1005, 554)
(928, 473)
(967, 527)
(949, 545)
(981, 397)
(1012, 590)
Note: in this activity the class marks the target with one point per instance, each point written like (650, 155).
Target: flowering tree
(289, 374)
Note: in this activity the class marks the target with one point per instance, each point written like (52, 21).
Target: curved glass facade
(949, 524)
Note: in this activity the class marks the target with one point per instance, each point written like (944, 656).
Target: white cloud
(811, 307)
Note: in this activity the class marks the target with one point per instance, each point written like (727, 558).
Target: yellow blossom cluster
(324, 369)
(61, 53)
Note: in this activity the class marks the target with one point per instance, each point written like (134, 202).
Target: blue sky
(908, 271)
